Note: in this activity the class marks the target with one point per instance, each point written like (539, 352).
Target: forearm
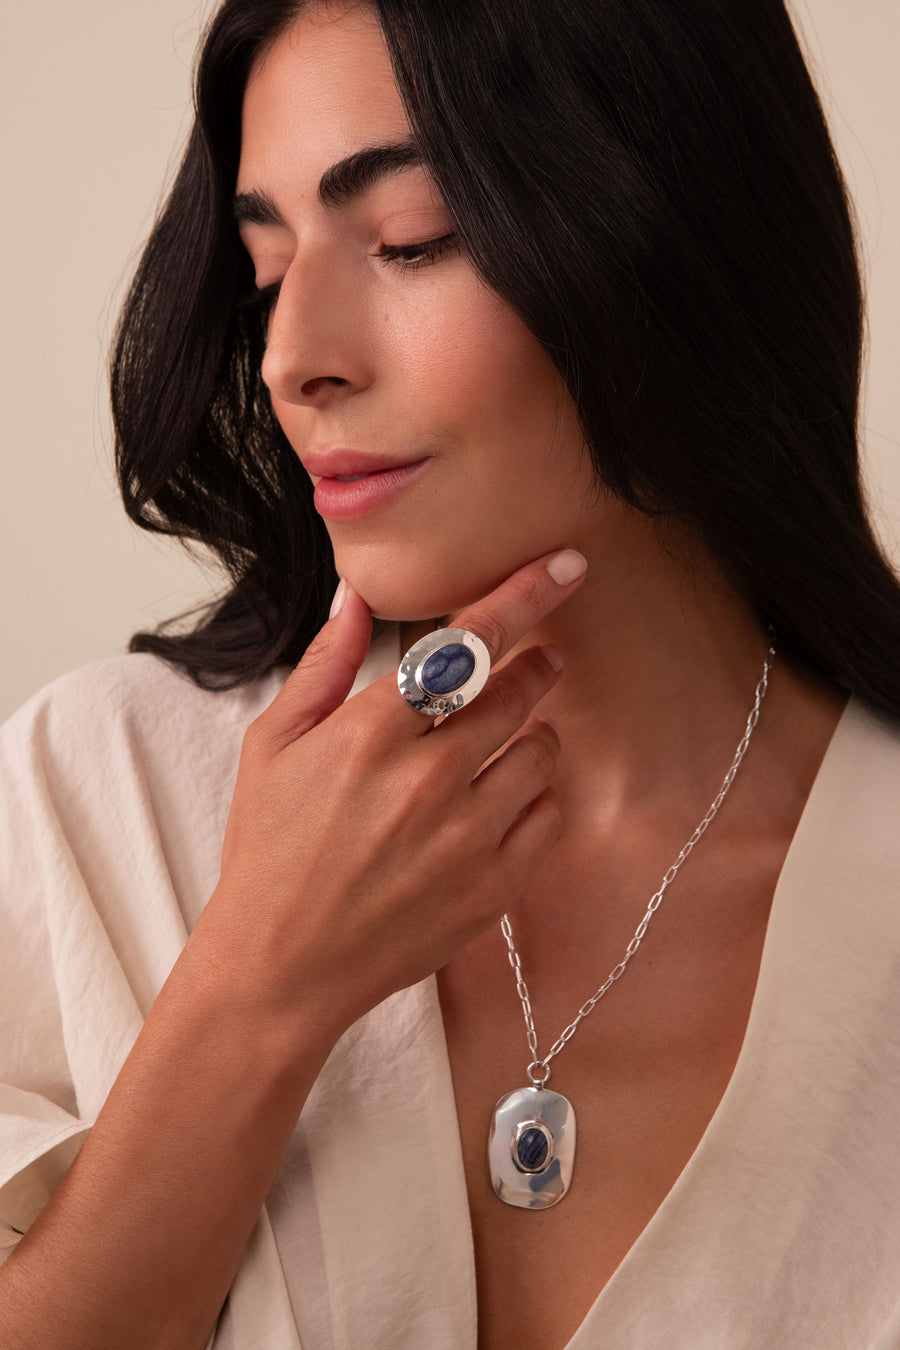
(139, 1245)
(360, 855)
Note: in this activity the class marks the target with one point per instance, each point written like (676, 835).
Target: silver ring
(444, 671)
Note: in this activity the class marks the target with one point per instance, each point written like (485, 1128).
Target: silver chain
(539, 1069)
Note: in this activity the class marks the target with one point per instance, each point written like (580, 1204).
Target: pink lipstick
(352, 482)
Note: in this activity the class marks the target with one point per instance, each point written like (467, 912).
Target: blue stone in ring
(448, 669)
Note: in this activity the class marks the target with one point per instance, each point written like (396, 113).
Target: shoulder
(121, 759)
(115, 783)
(129, 705)
(141, 696)
(847, 845)
(865, 758)
(140, 688)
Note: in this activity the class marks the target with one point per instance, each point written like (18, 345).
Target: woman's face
(400, 366)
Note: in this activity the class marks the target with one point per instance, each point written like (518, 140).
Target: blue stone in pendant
(448, 669)
(532, 1149)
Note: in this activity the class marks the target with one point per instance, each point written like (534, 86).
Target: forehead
(322, 89)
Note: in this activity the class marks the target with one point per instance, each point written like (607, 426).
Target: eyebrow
(341, 183)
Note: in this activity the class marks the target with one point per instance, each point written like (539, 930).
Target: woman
(546, 323)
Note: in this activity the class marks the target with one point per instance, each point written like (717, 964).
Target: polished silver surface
(409, 674)
(513, 1114)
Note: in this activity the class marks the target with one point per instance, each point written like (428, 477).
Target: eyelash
(408, 257)
(431, 250)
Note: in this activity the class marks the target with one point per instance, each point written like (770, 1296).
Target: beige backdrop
(94, 99)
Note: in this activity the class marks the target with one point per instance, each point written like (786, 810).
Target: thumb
(324, 677)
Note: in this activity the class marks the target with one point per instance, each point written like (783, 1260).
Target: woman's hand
(364, 847)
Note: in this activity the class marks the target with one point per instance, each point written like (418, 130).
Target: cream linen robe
(782, 1232)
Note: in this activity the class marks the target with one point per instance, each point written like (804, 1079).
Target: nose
(316, 347)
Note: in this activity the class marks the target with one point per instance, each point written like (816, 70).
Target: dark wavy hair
(652, 188)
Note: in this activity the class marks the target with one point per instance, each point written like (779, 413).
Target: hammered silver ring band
(444, 671)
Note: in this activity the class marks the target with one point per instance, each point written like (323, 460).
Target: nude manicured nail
(338, 600)
(567, 567)
(554, 656)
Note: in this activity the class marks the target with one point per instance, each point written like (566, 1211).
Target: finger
(514, 779)
(502, 708)
(532, 835)
(503, 618)
(324, 677)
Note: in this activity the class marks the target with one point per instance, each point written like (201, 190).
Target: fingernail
(338, 600)
(549, 722)
(567, 567)
(554, 656)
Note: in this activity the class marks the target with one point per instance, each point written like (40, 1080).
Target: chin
(408, 594)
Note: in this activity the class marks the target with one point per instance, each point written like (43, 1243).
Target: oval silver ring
(444, 671)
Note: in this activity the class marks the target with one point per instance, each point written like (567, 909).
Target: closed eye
(408, 257)
(411, 256)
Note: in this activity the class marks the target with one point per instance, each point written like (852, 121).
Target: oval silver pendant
(531, 1149)
(444, 671)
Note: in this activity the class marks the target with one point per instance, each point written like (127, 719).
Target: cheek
(510, 480)
(477, 371)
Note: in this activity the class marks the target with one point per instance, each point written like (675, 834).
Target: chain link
(543, 1065)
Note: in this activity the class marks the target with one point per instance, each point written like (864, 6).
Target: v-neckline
(667, 1212)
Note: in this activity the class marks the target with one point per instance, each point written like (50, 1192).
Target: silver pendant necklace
(531, 1147)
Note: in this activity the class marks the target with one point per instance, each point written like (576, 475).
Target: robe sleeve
(114, 788)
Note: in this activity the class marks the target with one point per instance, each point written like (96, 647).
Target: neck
(663, 657)
(662, 660)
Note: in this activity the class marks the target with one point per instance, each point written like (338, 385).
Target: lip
(336, 498)
(339, 461)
